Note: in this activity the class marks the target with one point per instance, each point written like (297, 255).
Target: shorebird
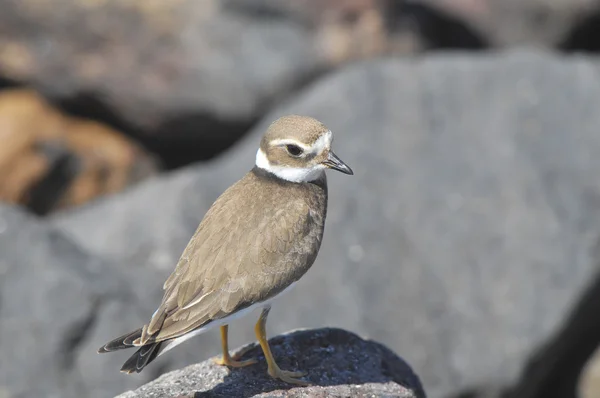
(254, 243)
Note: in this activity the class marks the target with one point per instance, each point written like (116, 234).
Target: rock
(176, 74)
(502, 23)
(339, 364)
(52, 294)
(463, 240)
(49, 161)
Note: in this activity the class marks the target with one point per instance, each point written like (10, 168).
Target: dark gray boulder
(338, 363)
(185, 51)
(186, 69)
(465, 237)
(52, 296)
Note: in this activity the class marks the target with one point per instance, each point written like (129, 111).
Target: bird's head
(298, 149)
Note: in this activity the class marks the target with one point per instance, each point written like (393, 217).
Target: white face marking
(323, 142)
(296, 174)
(283, 142)
(320, 144)
(292, 174)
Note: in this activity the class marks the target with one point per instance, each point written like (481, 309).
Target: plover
(254, 243)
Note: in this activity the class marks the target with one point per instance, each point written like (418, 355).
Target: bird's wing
(224, 268)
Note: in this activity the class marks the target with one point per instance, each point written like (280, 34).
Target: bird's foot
(232, 363)
(288, 377)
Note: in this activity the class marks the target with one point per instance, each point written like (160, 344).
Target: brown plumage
(260, 236)
(229, 268)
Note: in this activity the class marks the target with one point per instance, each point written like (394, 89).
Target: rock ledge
(339, 364)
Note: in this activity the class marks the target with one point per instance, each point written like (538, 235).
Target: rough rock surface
(339, 364)
(463, 240)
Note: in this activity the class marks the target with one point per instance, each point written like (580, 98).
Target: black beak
(335, 163)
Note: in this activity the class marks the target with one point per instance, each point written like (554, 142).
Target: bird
(254, 243)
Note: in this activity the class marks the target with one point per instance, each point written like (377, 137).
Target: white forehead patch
(323, 142)
(292, 174)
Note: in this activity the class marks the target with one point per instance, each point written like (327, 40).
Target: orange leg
(274, 370)
(226, 359)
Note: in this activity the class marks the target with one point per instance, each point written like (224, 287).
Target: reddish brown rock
(50, 161)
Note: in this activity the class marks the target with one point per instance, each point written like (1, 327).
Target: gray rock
(339, 364)
(185, 56)
(476, 201)
(183, 84)
(462, 241)
(51, 296)
(58, 303)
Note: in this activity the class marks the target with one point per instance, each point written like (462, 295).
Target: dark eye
(294, 150)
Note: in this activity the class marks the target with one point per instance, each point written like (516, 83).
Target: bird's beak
(335, 163)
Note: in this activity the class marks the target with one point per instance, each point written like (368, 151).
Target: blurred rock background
(467, 241)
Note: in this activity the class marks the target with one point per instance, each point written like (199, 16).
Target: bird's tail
(122, 342)
(142, 358)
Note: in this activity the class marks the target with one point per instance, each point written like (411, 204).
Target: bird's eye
(294, 150)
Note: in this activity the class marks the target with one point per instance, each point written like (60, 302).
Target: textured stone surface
(462, 241)
(339, 364)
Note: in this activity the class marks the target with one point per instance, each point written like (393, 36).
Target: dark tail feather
(142, 358)
(120, 343)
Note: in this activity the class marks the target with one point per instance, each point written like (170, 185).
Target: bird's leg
(226, 359)
(273, 368)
